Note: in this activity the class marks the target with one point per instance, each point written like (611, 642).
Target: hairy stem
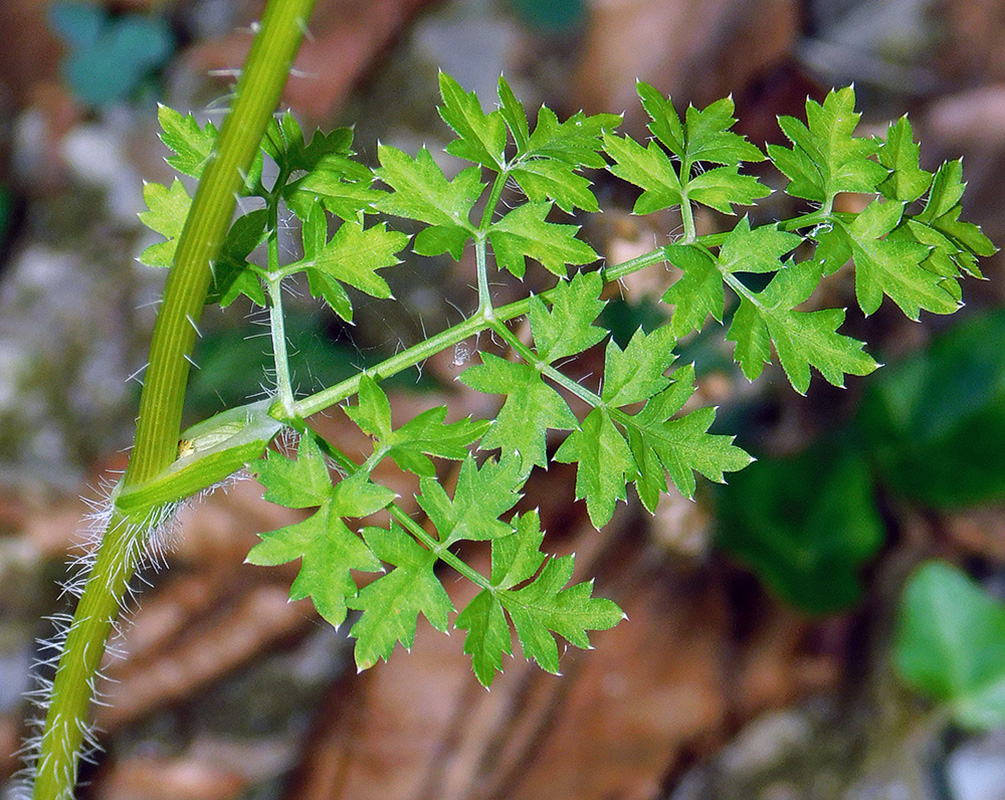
(159, 423)
(277, 324)
(92, 624)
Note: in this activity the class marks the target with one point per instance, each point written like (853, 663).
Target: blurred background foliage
(769, 620)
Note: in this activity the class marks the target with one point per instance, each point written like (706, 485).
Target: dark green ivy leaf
(950, 644)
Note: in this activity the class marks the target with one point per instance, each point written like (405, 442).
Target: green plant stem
(687, 217)
(553, 374)
(481, 265)
(93, 620)
(258, 91)
(277, 328)
(159, 423)
(274, 286)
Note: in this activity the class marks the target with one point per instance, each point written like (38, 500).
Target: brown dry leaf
(980, 531)
(160, 778)
(211, 643)
(694, 49)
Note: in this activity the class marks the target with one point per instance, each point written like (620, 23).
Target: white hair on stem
(149, 542)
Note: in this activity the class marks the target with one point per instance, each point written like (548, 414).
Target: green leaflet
(567, 327)
(703, 137)
(893, 267)
(539, 608)
(232, 273)
(482, 136)
(613, 447)
(392, 603)
(530, 409)
(422, 192)
(801, 338)
(826, 157)
(168, 206)
(424, 435)
(681, 444)
(637, 372)
(605, 464)
(328, 549)
(482, 495)
(524, 232)
(353, 256)
(901, 155)
(191, 143)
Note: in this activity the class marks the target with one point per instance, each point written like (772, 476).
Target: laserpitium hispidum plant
(908, 244)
